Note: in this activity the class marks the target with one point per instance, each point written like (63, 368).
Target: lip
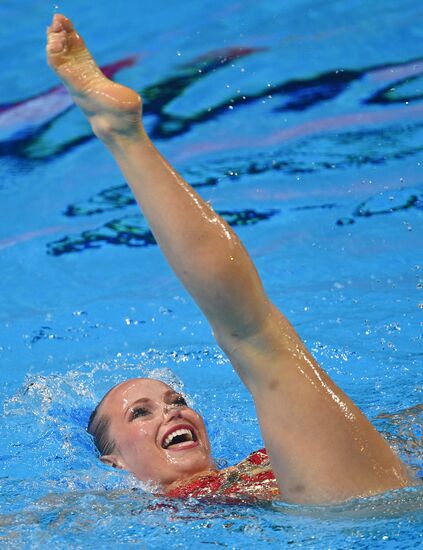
(182, 447)
(185, 445)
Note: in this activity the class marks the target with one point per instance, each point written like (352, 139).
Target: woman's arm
(321, 447)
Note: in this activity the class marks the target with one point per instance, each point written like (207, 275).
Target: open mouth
(181, 436)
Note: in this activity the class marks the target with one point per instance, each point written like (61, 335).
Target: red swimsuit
(250, 478)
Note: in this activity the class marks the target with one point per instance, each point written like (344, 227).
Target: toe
(67, 24)
(60, 23)
(56, 42)
(56, 24)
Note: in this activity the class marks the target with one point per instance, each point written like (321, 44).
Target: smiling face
(157, 436)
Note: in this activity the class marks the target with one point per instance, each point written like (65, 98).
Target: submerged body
(312, 431)
(252, 478)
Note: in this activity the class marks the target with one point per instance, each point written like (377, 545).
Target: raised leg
(321, 447)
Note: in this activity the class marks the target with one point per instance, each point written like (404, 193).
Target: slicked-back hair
(98, 427)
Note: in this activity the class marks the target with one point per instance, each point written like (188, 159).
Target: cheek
(139, 438)
(199, 420)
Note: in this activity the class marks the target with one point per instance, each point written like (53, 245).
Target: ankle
(118, 140)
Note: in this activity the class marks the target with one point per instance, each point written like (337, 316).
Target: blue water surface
(302, 123)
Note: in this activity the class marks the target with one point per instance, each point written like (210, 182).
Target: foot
(113, 110)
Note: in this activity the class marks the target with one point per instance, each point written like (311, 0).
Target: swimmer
(320, 448)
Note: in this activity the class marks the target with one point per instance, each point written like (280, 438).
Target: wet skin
(144, 414)
(312, 431)
(107, 104)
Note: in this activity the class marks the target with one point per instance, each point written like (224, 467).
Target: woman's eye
(179, 400)
(139, 411)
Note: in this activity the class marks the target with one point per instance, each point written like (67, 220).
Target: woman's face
(158, 437)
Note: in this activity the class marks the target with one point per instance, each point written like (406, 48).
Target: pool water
(302, 124)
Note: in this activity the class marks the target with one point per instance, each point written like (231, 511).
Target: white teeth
(174, 434)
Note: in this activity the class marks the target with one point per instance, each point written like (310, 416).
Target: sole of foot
(109, 106)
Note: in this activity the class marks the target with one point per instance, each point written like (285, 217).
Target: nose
(171, 412)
